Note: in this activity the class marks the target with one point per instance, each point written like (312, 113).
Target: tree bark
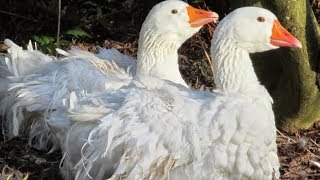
(290, 75)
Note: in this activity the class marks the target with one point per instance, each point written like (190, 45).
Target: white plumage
(166, 130)
(42, 90)
(150, 128)
(16, 65)
(155, 129)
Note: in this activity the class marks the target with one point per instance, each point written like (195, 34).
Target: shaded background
(116, 23)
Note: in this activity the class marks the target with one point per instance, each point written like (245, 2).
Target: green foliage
(48, 44)
(205, 69)
(77, 32)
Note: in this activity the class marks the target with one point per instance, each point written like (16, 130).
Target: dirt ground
(18, 161)
(299, 152)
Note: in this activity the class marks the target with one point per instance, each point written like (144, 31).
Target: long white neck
(233, 68)
(158, 56)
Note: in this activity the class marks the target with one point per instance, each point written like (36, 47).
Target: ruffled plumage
(158, 130)
(168, 131)
(150, 128)
(41, 89)
(17, 64)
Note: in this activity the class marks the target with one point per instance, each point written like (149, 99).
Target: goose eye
(261, 19)
(174, 11)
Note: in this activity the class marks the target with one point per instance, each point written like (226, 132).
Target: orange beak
(282, 38)
(198, 17)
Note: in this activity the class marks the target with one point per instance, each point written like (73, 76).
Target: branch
(59, 23)
(17, 15)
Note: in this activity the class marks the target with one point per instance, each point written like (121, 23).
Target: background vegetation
(116, 23)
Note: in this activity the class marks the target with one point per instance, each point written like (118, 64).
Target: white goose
(153, 129)
(166, 27)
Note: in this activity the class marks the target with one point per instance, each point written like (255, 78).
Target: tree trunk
(290, 75)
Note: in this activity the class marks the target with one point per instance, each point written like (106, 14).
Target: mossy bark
(291, 74)
(298, 97)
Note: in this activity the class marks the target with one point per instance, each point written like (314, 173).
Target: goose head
(255, 30)
(176, 20)
(166, 27)
(245, 30)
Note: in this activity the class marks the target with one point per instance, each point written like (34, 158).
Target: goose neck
(158, 56)
(233, 68)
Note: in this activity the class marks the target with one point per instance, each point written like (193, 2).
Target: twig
(209, 26)
(286, 136)
(17, 15)
(296, 142)
(59, 23)
(315, 143)
(315, 163)
(206, 54)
